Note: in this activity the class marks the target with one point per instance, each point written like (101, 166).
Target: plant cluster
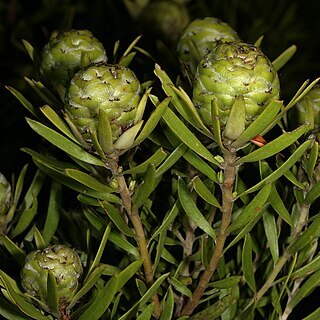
(188, 194)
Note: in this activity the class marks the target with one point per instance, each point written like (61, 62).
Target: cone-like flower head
(66, 53)
(203, 35)
(112, 88)
(62, 262)
(235, 69)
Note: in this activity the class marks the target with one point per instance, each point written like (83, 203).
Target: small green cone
(114, 89)
(234, 69)
(199, 38)
(64, 265)
(66, 53)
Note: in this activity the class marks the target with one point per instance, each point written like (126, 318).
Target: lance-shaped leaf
(313, 231)
(174, 156)
(141, 106)
(58, 122)
(202, 190)
(104, 132)
(52, 294)
(96, 144)
(146, 314)
(313, 157)
(31, 52)
(25, 102)
(225, 283)
(271, 232)
(259, 124)
(236, 120)
(180, 287)
(313, 194)
(116, 218)
(284, 57)
(25, 219)
(191, 209)
(168, 305)
(311, 267)
(126, 140)
(274, 146)
(155, 160)
(186, 136)
(278, 205)
(18, 254)
(9, 311)
(308, 286)
(146, 297)
(182, 102)
(251, 210)
(281, 170)
(152, 121)
(247, 264)
(145, 188)
(88, 180)
(315, 315)
(64, 143)
(124, 244)
(26, 307)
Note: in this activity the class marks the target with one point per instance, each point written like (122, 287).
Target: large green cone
(112, 88)
(66, 53)
(235, 69)
(62, 262)
(202, 36)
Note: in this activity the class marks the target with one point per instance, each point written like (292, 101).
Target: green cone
(65, 266)
(199, 38)
(165, 19)
(66, 53)
(5, 195)
(112, 88)
(235, 69)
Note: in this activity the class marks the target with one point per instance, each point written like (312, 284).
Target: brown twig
(230, 171)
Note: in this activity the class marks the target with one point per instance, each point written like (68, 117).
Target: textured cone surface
(230, 70)
(65, 265)
(299, 114)
(66, 53)
(166, 19)
(205, 34)
(5, 195)
(112, 88)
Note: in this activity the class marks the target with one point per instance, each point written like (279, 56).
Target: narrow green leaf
(31, 51)
(99, 253)
(274, 146)
(88, 181)
(26, 307)
(174, 156)
(313, 231)
(104, 132)
(191, 209)
(126, 140)
(147, 312)
(141, 286)
(52, 292)
(10, 312)
(271, 231)
(281, 170)
(40, 244)
(159, 250)
(25, 219)
(313, 157)
(259, 124)
(146, 297)
(315, 315)
(124, 244)
(125, 275)
(126, 60)
(18, 254)
(53, 213)
(155, 160)
(284, 57)
(313, 194)
(308, 286)
(101, 301)
(168, 305)
(258, 42)
(186, 136)
(226, 283)
(19, 184)
(251, 210)
(247, 265)
(311, 267)
(143, 191)
(116, 218)
(204, 192)
(278, 205)
(131, 46)
(26, 103)
(64, 143)
(58, 122)
(180, 287)
(152, 121)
